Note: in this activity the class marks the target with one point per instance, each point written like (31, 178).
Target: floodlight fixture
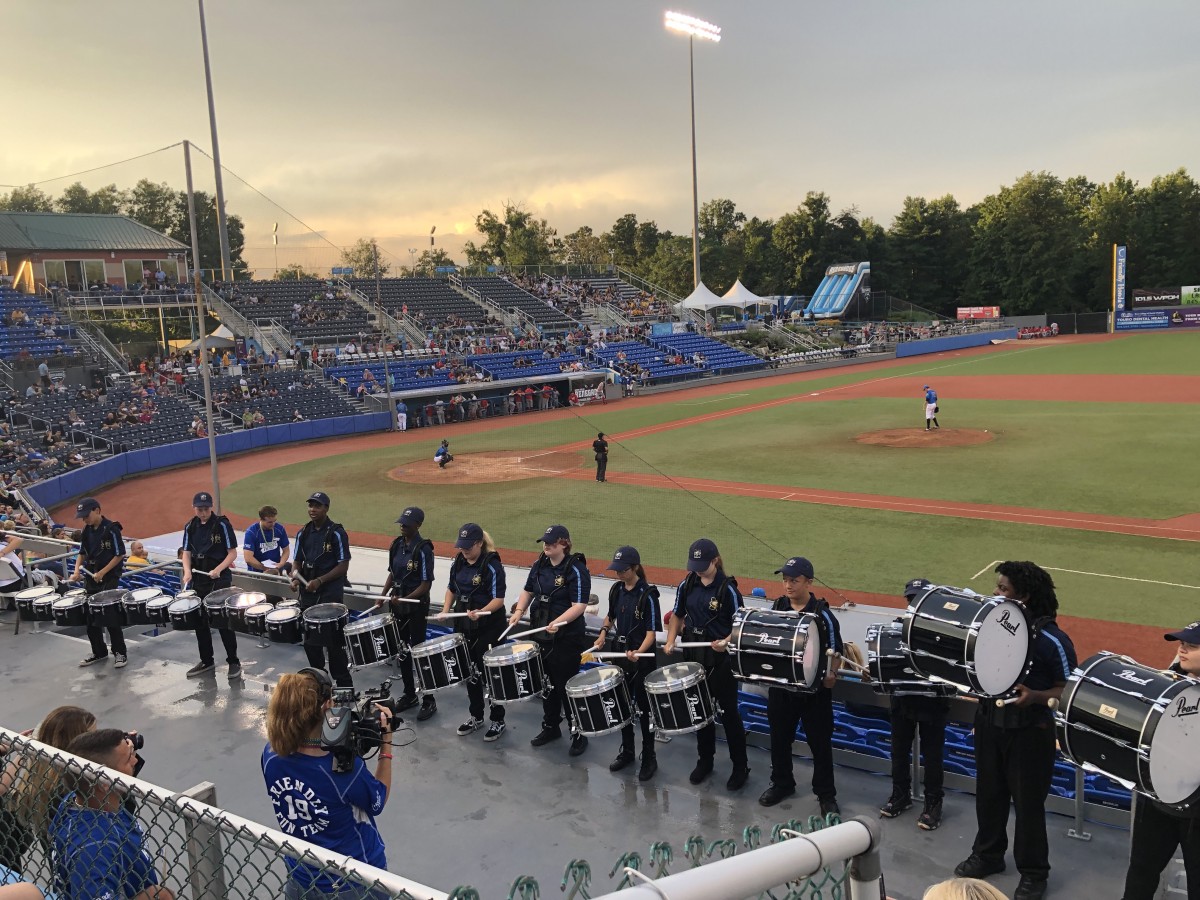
(691, 26)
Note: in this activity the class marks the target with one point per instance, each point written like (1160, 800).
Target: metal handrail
(99, 344)
(642, 284)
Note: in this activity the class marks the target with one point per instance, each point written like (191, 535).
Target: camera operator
(313, 801)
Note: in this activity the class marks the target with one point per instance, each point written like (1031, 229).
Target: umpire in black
(102, 548)
(410, 576)
(600, 448)
(322, 558)
(210, 549)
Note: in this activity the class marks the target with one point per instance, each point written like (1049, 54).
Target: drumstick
(684, 644)
(1052, 703)
(605, 654)
(957, 687)
(459, 615)
(500, 639)
(846, 661)
(522, 634)
(205, 574)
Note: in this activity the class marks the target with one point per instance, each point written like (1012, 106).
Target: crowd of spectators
(1045, 331)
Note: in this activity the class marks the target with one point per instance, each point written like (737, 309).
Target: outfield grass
(1173, 353)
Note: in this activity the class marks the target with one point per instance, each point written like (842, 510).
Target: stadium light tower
(222, 222)
(693, 28)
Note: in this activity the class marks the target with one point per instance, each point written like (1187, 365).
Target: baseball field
(1078, 453)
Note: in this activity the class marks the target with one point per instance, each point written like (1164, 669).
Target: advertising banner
(1185, 318)
(1119, 278)
(587, 391)
(1189, 295)
(1146, 319)
(978, 312)
(1153, 298)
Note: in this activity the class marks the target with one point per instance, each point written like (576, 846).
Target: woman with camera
(314, 802)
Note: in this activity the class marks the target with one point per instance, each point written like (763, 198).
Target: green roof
(78, 231)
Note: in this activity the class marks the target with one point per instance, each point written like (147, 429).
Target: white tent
(742, 297)
(703, 299)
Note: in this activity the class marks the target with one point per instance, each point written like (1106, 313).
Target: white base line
(1193, 587)
(988, 567)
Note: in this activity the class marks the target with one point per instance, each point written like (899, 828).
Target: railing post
(1076, 830)
(206, 866)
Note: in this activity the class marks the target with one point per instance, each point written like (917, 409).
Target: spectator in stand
(247, 418)
(137, 555)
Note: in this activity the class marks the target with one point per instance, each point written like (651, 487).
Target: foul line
(1193, 587)
(988, 567)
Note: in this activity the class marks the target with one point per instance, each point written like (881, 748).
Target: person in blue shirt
(442, 454)
(931, 408)
(1015, 744)
(410, 577)
(631, 627)
(401, 411)
(704, 608)
(98, 842)
(101, 552)
(556, 594)
(312, 802)
(787, 709)
(265, 545)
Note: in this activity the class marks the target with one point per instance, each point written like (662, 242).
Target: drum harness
(402, 650)
(706, 656)
(619, 642)
(462, 601)
(539, 606)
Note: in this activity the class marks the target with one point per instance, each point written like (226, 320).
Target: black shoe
(931, 817)
(407, 701)
(975, 866)
(896, 804)
(703, 769)
(546, 735)
(578, 745)
(624, 758)
(830, 808)
(428, 708)
(1030, 888)
(649, 767)
(737, 778)
(776, 793)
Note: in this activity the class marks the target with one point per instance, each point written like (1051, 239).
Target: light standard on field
(412, 262)
(693, 28)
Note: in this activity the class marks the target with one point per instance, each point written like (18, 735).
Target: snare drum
(70, 609)
(373, 640)
(679, 698)
(236, 605)
(283, 625)
(135, 604)
(891, 668)
(43, 607)
(105, 609)
(158, 609)
(786, 649)
(325, 624)
(186, 613)
(983, 644)
(599, 700)
(1136, 724)
(442, 663)
(28, 598)
(256, 619)
(514, 672)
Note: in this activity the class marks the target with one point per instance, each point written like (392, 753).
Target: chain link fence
(79, 830)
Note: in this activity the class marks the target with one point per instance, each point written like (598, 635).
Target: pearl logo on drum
(1130, 675)
(1005, 622)
(693, 704)
(522, 676)
(609, 704)
(769, 640)
(1183, 708)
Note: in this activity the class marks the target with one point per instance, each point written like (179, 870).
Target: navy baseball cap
(624, 559)
(414, 515)
(701, 554)
(554, 534)
(204, 498)
(1191, 634)
(319, 497)
(915, 587)
(796, 567)
(925, 388)
(468, 535)
(86, 505)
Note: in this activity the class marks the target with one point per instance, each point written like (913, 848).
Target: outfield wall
(79, 482)
(953, 342)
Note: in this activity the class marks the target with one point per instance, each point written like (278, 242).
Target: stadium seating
(434, 298)
(31, 337)
(507, 296)
(311, 396)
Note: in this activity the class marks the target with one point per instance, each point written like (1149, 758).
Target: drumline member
(103, 547)
(322, 558)
(786, 709)
(556, 594)
(410, 575)
(477, 584)
(704, 608)
(631, 627)
(12, 573)
(265, 545)
(209, 543)
(911, 715)
(1159, 829)
(1015, 744)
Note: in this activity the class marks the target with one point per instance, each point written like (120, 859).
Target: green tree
(155, 205)
(294, 272)
(363, 256)
(517, 239)
(622, 240)
(582, 247)
(671, 265)
(646, 240)
(927, 252)
(763, 268)
(209, 236)
(1167, 226)
(432, 259)
(799, 237)
(26, 199)
(107, 200)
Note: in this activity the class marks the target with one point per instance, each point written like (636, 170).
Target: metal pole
(205, 375)
(222, 225)
(206, 865)
(1077, 829)
(695, 186)
(387, 377)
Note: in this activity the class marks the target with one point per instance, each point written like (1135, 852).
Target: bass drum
(783, 649)
(891, 667)
(1136, 724)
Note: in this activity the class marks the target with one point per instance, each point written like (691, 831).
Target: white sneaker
(471, 725)
(120, 660)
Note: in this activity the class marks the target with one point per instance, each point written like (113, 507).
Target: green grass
(1172, 353)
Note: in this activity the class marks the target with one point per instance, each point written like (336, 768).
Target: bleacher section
(404, 376)
(501, 365)
(841, 284)
(311, 396)
(718, 357)
(507, 295)
(345, 319)
(172, 419)
(31, 336)
(434, 298)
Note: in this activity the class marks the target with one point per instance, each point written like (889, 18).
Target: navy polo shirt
(100, 544)
(210, 541)
(320, 549)
(701, 608)
(477, 583)
(564, 585)
(633, 613)
(1053, 658)
(410, 569)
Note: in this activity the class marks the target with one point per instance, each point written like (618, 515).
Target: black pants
(412, 621)
(478, 642)
(635, 677)
(724, 693)
(601, 465)
(95, 633)
(203, 587)
(1156, 835)
(928, 720)
(1013, 765)
(561, 658)
(786, 710)
(339, 662)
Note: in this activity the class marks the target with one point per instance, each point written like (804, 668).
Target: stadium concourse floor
(466, 812)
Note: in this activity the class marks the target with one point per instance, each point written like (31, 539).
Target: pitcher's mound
(919, 437)
(478, 468)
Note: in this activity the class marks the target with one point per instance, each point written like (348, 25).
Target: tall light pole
(693, 28)
(222, 224)
(387, 372)
(412, 262)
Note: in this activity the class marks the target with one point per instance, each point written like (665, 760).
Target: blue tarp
(953, 342)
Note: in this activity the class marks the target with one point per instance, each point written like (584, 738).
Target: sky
(386, 118)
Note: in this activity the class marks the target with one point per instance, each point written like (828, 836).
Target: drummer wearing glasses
(1015, 744)
(1159, 829)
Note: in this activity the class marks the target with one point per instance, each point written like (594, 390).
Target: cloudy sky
(386, 117)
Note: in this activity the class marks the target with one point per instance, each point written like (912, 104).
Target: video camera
(353, 726)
